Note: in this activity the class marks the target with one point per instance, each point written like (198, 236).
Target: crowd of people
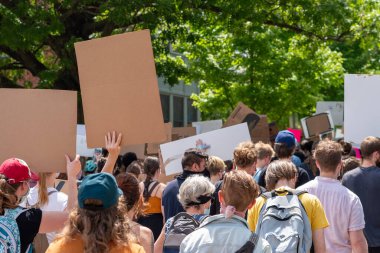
(313, 196)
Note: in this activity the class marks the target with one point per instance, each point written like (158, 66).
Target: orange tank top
(154, 205)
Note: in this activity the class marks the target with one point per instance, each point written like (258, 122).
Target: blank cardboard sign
(119, 89)
(257, 124)
(317, 124)
(38, 126)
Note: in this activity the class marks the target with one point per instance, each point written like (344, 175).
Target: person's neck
(289, 159)
(332, 175)
(241, 214)
(368, 163)
(214, 179)
(282, 183)
(131, 214)
(192, 210)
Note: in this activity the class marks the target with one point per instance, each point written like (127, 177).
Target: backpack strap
(60, 185)
(250, 245)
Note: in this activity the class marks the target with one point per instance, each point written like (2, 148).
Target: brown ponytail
(8, 197)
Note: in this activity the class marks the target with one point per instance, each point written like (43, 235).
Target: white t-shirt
(57, 202)
(343, 210)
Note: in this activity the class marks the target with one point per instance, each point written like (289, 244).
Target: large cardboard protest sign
(82, 149)
(336, 109)
(220, 143)
(257, 124)
(38, 126)
(138, 149)
(207, 126)
(153, 148)
(361, 110)
(317, 124)
(119, 89)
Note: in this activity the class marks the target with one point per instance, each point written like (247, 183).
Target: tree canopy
(278, 57)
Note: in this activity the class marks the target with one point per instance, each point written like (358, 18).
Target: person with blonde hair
(98, 225)
(25, 223)
(280, 178)
(228, 231)
(195, 195)
(47, 198)
(265, 153)
(216, 168)
(245, 159)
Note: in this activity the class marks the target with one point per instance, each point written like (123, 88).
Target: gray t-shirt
(365, 182)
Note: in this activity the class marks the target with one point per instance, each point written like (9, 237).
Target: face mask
(207, 211)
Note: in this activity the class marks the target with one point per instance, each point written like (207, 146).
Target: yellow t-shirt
(313, 207)
(65, 245)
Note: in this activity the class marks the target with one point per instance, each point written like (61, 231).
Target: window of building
(165, 104)
(191, 111)
(178, 111)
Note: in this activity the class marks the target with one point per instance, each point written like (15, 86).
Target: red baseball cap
(16, 170)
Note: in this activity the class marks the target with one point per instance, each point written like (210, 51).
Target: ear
(251, 204)
(317, 164)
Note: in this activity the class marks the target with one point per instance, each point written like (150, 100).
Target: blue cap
(286, 137)
(100, 186)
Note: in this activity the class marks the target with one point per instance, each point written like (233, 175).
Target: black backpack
(182, 225)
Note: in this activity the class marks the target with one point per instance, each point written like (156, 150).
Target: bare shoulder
(145, 232)
(160, 190)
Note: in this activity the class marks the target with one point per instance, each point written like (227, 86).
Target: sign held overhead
(119, 89)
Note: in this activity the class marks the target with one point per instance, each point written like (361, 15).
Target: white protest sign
(336, 109)
(207, 126)
(220, 143)
(82, 149)
(361, 111)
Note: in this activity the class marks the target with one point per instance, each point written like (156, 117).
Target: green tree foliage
(279, 57)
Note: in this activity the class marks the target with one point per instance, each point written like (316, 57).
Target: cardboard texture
(119, 89)
(182, 132)
(361, 112)
(273, 131)
(257, 124)
(139, 149)
(220, 143)
(317, 124)
(38, 126)
(152, 148)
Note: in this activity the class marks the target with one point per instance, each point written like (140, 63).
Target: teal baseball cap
(100, 186)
